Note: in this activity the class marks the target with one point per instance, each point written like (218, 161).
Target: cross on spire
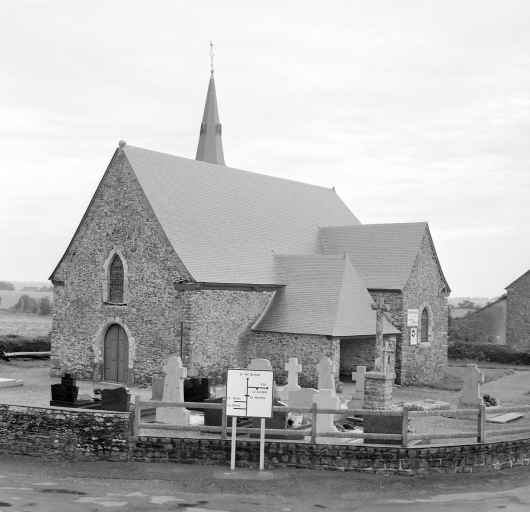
(212, 54)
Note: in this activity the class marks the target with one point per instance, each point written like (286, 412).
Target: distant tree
(27, 304)
(4, 285)
(45, 306)
(0, 301)
(467, 329)
(467, 304)
(46, 289)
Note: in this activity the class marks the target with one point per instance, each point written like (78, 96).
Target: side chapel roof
(324, 295)
(382, 254)
(224, 223)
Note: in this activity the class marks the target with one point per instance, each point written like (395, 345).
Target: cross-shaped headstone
(358, 377)
(259, 364)
(473, 378)
(174, 374)
(326, 399)
(293, 369)
(326, 373)
(380, 307)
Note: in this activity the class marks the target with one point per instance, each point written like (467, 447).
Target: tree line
(28, 304)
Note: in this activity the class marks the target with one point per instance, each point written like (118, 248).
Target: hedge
(488, 353)
(14, 343)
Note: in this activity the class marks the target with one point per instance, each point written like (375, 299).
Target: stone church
(220, 265)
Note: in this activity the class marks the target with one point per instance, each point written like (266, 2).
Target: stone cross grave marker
(303, 398)
(293, 369)
(326, 399)
(473, 378)
(175, 374)
(326, 373)
(380, 307)
(259, 364)
(358, 377)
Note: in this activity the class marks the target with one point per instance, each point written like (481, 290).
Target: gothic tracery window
(116, 281)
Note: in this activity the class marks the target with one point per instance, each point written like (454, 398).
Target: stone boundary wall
(364, 458)
(79, 435)
(56, 433)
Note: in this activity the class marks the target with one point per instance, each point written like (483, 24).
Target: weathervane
(211, 54)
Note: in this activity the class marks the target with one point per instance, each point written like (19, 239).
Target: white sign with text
(412, 317)
(249, 393)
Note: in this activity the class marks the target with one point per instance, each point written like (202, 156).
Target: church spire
(210, 148)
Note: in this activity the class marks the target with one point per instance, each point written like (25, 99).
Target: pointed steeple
(210, 148)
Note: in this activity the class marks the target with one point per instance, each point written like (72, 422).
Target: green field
(24, 324)
(10, 298)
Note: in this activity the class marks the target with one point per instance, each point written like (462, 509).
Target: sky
(413, 110)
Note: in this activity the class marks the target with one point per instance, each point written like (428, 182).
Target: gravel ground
(510, 390)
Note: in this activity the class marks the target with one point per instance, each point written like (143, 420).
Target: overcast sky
(412, 110)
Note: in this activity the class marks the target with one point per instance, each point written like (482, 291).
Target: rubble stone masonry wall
(308, 348)
(423, 362)
(72, 435)
(518, 313)
(218, 323)
(119, 218)
(62, 434)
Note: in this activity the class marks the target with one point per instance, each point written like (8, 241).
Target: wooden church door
(116, 357)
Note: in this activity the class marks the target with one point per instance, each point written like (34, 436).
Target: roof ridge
(200, 162)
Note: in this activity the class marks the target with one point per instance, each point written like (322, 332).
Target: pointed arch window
(425, 326)
(116, 281)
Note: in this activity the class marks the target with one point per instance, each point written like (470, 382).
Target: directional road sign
(249, 393)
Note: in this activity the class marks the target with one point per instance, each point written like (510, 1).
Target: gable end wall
(119, 218)
(518, 313)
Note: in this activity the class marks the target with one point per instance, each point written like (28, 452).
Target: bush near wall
(488, 353)
(14, 343)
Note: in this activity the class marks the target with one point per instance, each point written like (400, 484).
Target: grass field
(10, 298)
(24, 324)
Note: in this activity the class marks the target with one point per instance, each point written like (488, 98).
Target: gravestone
(157, 388)
(382, 425)
(196, 389)
(219, 392)
(65, 393)
(293, 369)
(175, 373)
(115, 400)
(358, 376)
(471, 398)
(259, 364)
(326, 399)
(303, 398)
(326, 373)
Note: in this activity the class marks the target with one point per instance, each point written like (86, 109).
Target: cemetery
(361, 429)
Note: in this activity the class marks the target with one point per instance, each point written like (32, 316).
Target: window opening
(116, 281)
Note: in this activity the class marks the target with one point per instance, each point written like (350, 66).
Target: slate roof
(324, 295)
(224, 223)
(382, 254)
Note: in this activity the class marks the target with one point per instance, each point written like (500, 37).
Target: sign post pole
(249, 394)
(233, 453)
(262, 445)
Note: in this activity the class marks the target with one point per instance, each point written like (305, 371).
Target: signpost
(249, 394)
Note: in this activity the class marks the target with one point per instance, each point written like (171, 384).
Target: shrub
(488, 353)
(12, 343)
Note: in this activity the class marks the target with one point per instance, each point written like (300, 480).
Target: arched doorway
(116, 355)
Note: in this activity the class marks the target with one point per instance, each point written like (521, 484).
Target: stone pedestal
(378, 395)
(378, 390)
